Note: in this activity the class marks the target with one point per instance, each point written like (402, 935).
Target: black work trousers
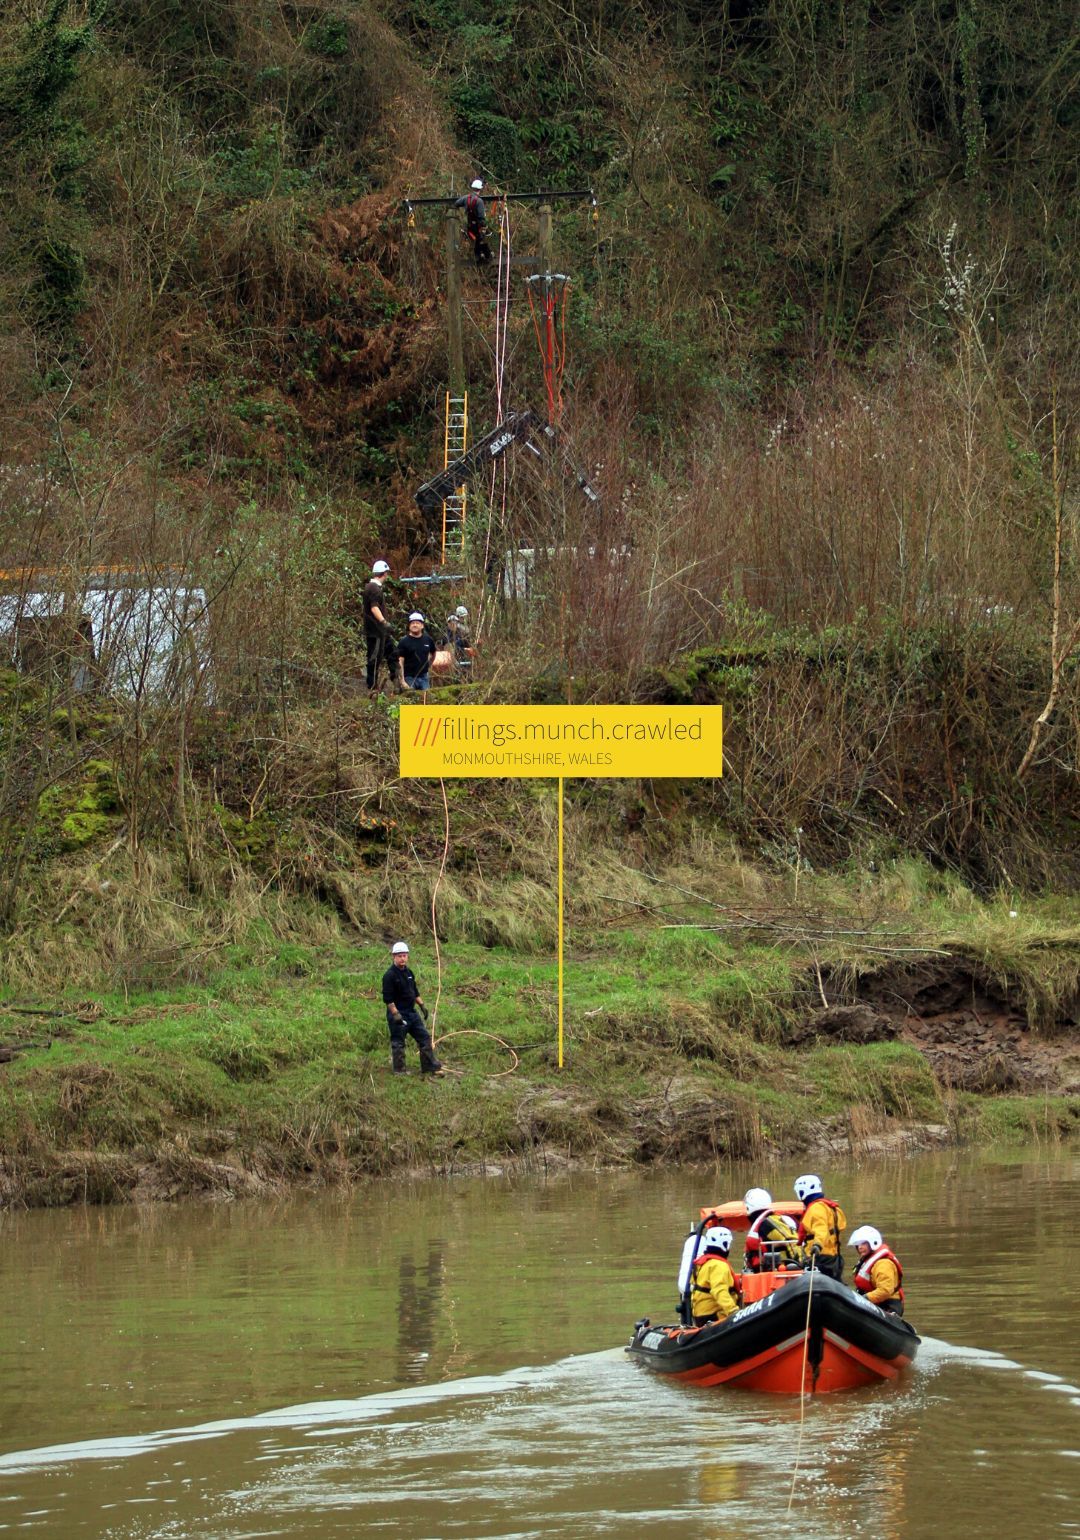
(378, 647)
(408, 1022)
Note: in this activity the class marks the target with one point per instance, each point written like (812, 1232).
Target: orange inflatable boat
(797, 1330)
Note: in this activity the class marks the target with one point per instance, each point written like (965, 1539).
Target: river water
(445, 1360)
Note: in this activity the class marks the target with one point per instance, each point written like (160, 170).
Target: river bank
(263, 1065)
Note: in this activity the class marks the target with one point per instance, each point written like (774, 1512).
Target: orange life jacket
(708, 1256)
(864, 1283)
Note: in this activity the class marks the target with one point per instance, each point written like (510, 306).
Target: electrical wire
(502, 317)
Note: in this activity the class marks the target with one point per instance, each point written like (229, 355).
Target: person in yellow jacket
(822, 1224)
(713, 1290)
(879, 1276)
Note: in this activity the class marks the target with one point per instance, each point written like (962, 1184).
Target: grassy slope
(274, 1067)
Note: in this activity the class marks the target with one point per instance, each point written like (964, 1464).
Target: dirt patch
(845, 1024)
(973, 1030)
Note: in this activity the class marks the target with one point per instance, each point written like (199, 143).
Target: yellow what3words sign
(561, 741)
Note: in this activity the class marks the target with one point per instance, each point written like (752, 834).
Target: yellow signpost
(554, 742)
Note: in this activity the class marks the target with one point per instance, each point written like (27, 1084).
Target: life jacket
(863, 1281)
(781, 1247)
(834, 1223)
(709, 1256)
(695, 1287)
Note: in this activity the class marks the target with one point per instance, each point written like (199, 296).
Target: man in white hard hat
(476, 220)
(401, 996)
(377, 633)
(414, 654)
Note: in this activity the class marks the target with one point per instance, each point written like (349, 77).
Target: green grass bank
(696, 1030)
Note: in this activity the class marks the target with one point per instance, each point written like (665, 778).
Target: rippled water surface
(445, 1360)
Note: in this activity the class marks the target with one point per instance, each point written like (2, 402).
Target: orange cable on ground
(479, 1032)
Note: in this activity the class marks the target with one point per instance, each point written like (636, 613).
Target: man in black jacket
(401, 995)
(414, 654)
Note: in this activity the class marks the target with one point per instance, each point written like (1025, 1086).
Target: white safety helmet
(477, 185)
(379, 567)
(719, 1237)
(399, 947)
(416, 615)
(461, 612)
(866, 1235)
(807, 1186)
(757, 1198)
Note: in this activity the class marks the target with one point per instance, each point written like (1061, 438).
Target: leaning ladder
(455, 442)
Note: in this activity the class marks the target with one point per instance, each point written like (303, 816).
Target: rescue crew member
(713, 1290)
(401, 996)
(414, 654)
(879, 1276)
(476, 221)
(821, 1226)
(377, 633)
(771, 1239)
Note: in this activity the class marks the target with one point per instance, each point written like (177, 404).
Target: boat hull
(810, 1334)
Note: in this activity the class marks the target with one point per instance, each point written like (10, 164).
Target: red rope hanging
(552, 343)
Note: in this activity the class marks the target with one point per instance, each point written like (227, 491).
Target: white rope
(802, 1387)
(434, 926)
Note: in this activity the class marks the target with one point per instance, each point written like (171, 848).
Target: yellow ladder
(455, 442)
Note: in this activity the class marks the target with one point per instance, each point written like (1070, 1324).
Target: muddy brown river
(445, 1360)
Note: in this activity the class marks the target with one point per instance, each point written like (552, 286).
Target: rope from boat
(802, 1383)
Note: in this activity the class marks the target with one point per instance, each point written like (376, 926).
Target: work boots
(429, 1064)
(397, 1061)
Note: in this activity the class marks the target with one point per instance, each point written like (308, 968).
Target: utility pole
(453, 301)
